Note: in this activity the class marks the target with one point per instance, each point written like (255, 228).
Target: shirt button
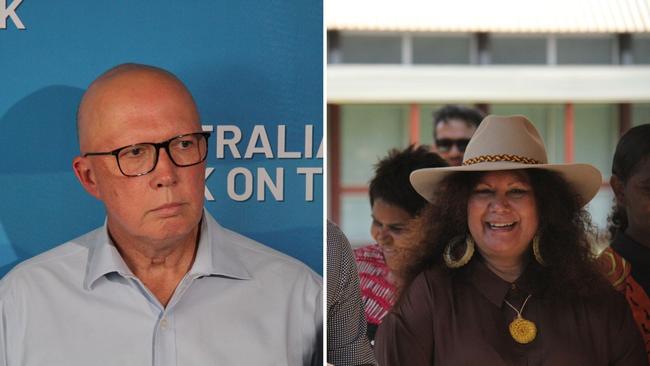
(164, 323)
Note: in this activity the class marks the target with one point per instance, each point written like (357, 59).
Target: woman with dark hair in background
(394, 203)
(627, 261)
(504, 273)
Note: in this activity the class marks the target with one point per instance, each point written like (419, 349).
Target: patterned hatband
(500, 157)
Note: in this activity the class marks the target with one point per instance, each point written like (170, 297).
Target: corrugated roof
(496, 16)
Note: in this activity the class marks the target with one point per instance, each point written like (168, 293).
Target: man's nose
(164, 175)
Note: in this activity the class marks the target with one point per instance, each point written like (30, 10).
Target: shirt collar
(103, 258)
(215, 255)
(491, 286)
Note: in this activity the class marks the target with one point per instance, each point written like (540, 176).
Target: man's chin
(171, 235)
(170, 227)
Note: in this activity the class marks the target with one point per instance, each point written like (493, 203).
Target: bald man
(161, 283)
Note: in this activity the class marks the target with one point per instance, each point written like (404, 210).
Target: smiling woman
(501, 270)
(502, 219)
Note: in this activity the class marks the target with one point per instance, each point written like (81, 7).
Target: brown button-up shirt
(461, 318)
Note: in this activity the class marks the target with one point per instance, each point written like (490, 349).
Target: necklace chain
(522, 306)
(523, 331)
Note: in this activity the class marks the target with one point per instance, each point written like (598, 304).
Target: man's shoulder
(59, 261)
(258, 257)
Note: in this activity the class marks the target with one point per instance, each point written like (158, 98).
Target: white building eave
(494, 84)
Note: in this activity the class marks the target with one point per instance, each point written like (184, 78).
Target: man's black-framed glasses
(140, 159)
(445, 145)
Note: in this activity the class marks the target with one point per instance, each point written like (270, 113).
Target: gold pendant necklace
(522, 330)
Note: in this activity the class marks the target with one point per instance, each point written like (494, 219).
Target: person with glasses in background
(161, 282)
(453, 126)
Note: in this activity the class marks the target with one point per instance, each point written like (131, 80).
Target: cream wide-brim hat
(507, 143)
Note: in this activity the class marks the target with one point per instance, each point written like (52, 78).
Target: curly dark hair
(632, 150)
(391, 180)
(471, 116)
(564, 231)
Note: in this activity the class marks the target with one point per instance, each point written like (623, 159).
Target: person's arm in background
(3, 348)
(347, 342)
(4, 320)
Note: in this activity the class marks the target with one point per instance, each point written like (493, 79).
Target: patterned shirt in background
(377, 292)
(626, 264)
(347, 344)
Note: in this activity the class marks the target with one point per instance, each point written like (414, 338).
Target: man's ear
(618, 186)
(86, 175)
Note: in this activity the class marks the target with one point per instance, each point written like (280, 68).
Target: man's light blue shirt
(241, 303)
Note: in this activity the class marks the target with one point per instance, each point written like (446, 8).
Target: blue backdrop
(254, 68)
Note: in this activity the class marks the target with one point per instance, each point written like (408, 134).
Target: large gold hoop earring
(467, 254)
(536, 252)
